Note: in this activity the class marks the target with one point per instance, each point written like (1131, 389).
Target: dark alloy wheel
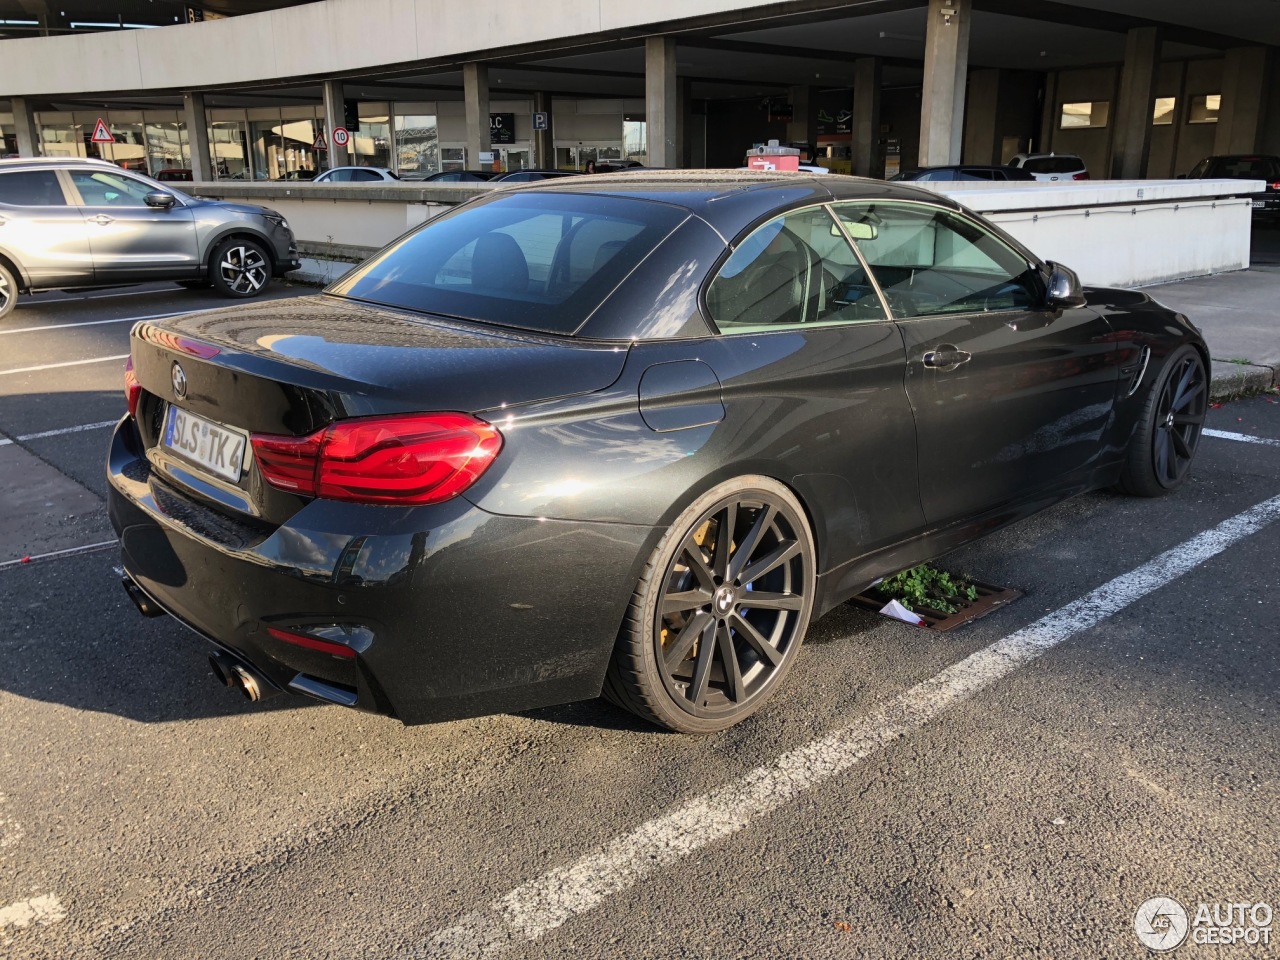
(1165, 442)
(721, 612)
(240, 268)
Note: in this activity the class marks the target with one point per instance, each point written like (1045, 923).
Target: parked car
(1266, 205)
(614, 166)
(68, 223)
(356, 175)
(1051, 166)
(626, 434)
(174, 175)
(965, 172)
(460, 176)
(295, 175)
(531, 176)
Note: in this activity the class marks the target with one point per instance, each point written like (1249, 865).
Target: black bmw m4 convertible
(625, 435)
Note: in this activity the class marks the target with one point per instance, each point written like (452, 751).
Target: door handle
(946, 357)
(102, 219)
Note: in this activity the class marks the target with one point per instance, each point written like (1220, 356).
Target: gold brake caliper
(700, 538)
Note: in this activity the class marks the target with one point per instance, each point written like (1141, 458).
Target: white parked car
(357, 175)
(1051, 166)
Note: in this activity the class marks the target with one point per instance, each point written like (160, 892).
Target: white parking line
(1242, 438)
(38, 910)
(65, 363)
(543, 904)
(96, 323)
(40, 298)
(55, 554)
(59, 432)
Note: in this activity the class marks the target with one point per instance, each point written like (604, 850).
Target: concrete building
(256, 89)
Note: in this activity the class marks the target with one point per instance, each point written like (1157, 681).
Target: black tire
(240, 268)
(1168, 432)
(725, 652)
(8, 291)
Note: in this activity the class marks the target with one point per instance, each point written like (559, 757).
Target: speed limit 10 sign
(341, 136)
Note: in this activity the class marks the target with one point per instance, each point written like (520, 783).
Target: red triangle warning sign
(101, 134)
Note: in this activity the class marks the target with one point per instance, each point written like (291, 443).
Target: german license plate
(218, 449)
(1259, 203)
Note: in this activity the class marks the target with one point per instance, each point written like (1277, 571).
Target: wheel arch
(15, 268)
(238, 232)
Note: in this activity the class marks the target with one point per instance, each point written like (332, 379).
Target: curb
(1229, 380)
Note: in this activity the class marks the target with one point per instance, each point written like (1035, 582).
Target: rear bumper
(452, 611)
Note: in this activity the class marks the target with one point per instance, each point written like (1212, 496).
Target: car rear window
(1052, 164)
(31, 188)
(533, 261)
(1244, 168)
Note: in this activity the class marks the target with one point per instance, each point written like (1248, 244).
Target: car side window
(795, 269)
(102, 188)
(363, 176)
(31, 188)
(930, 261)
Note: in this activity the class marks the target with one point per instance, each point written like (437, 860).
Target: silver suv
(66, 222)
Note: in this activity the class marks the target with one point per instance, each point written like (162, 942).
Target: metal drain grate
(990, 597)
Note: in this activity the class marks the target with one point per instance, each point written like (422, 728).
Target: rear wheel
(240, 268)
(1164, 444)
(8, 291)
(720, 612)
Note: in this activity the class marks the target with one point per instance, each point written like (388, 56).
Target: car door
(1012, 398)
(812, 369)
(41, 232)
(129, 240)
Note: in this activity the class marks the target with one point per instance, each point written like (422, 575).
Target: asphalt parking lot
(909, 794)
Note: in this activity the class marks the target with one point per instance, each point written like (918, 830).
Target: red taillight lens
(313, 643)
(1274, 186)
(408, 459)
(132, 388)
(1080, 176)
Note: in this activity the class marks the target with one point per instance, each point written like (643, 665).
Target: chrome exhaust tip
(247, 683)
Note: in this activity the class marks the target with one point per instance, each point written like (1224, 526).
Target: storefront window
(167, 147)
(417, 145)
(129, 150)
(635, 138)
(284, 148)
(8, 141)
(372, 142)
(63, 140)
(228, 142)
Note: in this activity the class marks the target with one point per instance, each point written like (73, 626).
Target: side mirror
(1064, 287)
(158, 198)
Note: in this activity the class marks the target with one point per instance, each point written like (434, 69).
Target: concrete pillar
(946, 69)
(544, 148)
(661, 101)
(1244, 96)
(803, 126)
(335, 117)
(867, 158)
(24, 124)
(197, 136)
(1133, 112)
(475, 91)
(982, 110)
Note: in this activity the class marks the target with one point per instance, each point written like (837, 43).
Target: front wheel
(720, 612)
(1168, 432)
(8, 291)
(240, 268)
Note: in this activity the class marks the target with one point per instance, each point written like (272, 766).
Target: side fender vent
(1138, 371)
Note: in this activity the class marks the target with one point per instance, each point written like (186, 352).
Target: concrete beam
(197, 136)
(1244, 100)
(1133, 112)
(946, 70)
(661, 101)
(24, 124)
(334, 117)
(868, 160)
(475, 91)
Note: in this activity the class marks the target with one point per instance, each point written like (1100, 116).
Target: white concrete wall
(1122, 233)
(319, 40)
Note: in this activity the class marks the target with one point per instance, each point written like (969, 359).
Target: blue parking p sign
(540, 121)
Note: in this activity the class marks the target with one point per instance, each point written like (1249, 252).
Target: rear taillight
(407, 459)
(313, 643)
(1080, 176)
(1274, 186)
(132, 388)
